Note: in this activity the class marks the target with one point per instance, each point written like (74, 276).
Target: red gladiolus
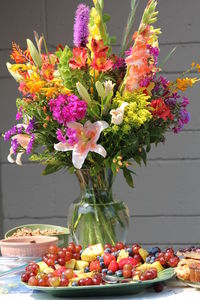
(161, 110)
(100, 61)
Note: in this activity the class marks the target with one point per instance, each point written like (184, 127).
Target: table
(173, 291)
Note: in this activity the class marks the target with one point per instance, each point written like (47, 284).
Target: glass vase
(96, 216)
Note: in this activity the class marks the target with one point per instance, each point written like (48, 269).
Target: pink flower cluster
(67, 108)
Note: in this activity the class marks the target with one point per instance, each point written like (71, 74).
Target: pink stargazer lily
(87, 137)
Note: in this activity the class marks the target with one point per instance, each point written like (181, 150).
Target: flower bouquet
(95, 112)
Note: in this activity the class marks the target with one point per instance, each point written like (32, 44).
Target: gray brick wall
(165, 205)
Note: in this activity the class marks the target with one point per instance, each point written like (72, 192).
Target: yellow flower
(184, 83)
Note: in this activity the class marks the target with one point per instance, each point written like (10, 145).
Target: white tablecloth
(171, 293)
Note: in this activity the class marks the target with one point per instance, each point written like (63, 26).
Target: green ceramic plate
(105, 290)
(62, 238)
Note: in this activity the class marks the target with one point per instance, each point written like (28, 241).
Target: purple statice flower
(30, 126)
(30, 144)
(71, 133)
(154, 51)
(185, 102)
(20, 129)
(67, 108)
(144, 82)
(60, 136)
(10, 133)
(172, 99)
(81, 31)
(15, 145)
(19, 114)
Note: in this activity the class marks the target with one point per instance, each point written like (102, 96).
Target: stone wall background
(165, 205)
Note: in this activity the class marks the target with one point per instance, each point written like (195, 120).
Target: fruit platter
(103, 270)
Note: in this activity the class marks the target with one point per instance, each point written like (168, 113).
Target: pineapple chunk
(80, 265)
(97, 249)
(88, 255)
(122, 254)
(157, 265)
(136, 277)
(143, 253)
(143, 267)
(70, 264)
(44, 267)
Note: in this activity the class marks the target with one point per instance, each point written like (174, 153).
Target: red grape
(33, 281)
(71, 247)
(25, 277)
(88, 281)
(61, 261)
(78, 248)
(53, 249)
(120, 246)
(68, 273)
(127, 273)
(64, 281)
(68, 255)
(173, 262)
(135, 248)
(107, 246)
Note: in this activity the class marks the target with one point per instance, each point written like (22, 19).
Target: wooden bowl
(29, 246)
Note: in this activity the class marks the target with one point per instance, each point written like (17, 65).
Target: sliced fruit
(88, 254)
(143, 253)
(122, 254)
(95, 266)
(80, 265)
(45, 268)
(97, 249)
(157, 265)
(129, 260)
(70, 264)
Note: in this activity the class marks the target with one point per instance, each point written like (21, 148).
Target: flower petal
(100, 150)
(63, 147)
(99, 126)
(78, 158)
(75, 125)
(9, 157)
(18, 158)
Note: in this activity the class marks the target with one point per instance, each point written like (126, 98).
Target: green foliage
(70, 77)
(128, 177)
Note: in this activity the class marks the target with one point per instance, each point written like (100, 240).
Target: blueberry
(104, 271)
(101, 259)
(102, 264)
(156, 255)
(148, 259)
(81, 251)
(153, 250)
(109, 272)
(119, 273)
(107, 250)
(115, 254)
(98, 257)
(152, 260)
(130, 251)
(86, 270)
(74, 283)
(118, 251)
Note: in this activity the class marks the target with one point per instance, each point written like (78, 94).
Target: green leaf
(51, 168)
(113, 40)
(34, 54)
(128, 177)
(106, 17)
(167, 57)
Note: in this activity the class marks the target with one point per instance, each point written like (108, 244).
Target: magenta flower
(67, 108)
(81, 26)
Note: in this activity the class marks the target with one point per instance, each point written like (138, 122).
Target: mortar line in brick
(131, 216)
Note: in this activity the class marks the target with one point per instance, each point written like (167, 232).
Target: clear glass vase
(96, 216)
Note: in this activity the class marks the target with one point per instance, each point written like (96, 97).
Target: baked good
(191, 252)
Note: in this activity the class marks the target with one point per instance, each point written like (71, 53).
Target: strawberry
(107, 258)
(95, 266)
(129, 260)
(113, 266)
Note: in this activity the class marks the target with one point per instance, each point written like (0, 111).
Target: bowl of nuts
(34, 230)
(27, 246)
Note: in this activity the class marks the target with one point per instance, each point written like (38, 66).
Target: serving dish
(29, 246)
(107, 289)
(62, 237)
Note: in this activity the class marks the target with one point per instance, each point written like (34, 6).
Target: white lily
(87, 137)
(118, 114)
(109, 86)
